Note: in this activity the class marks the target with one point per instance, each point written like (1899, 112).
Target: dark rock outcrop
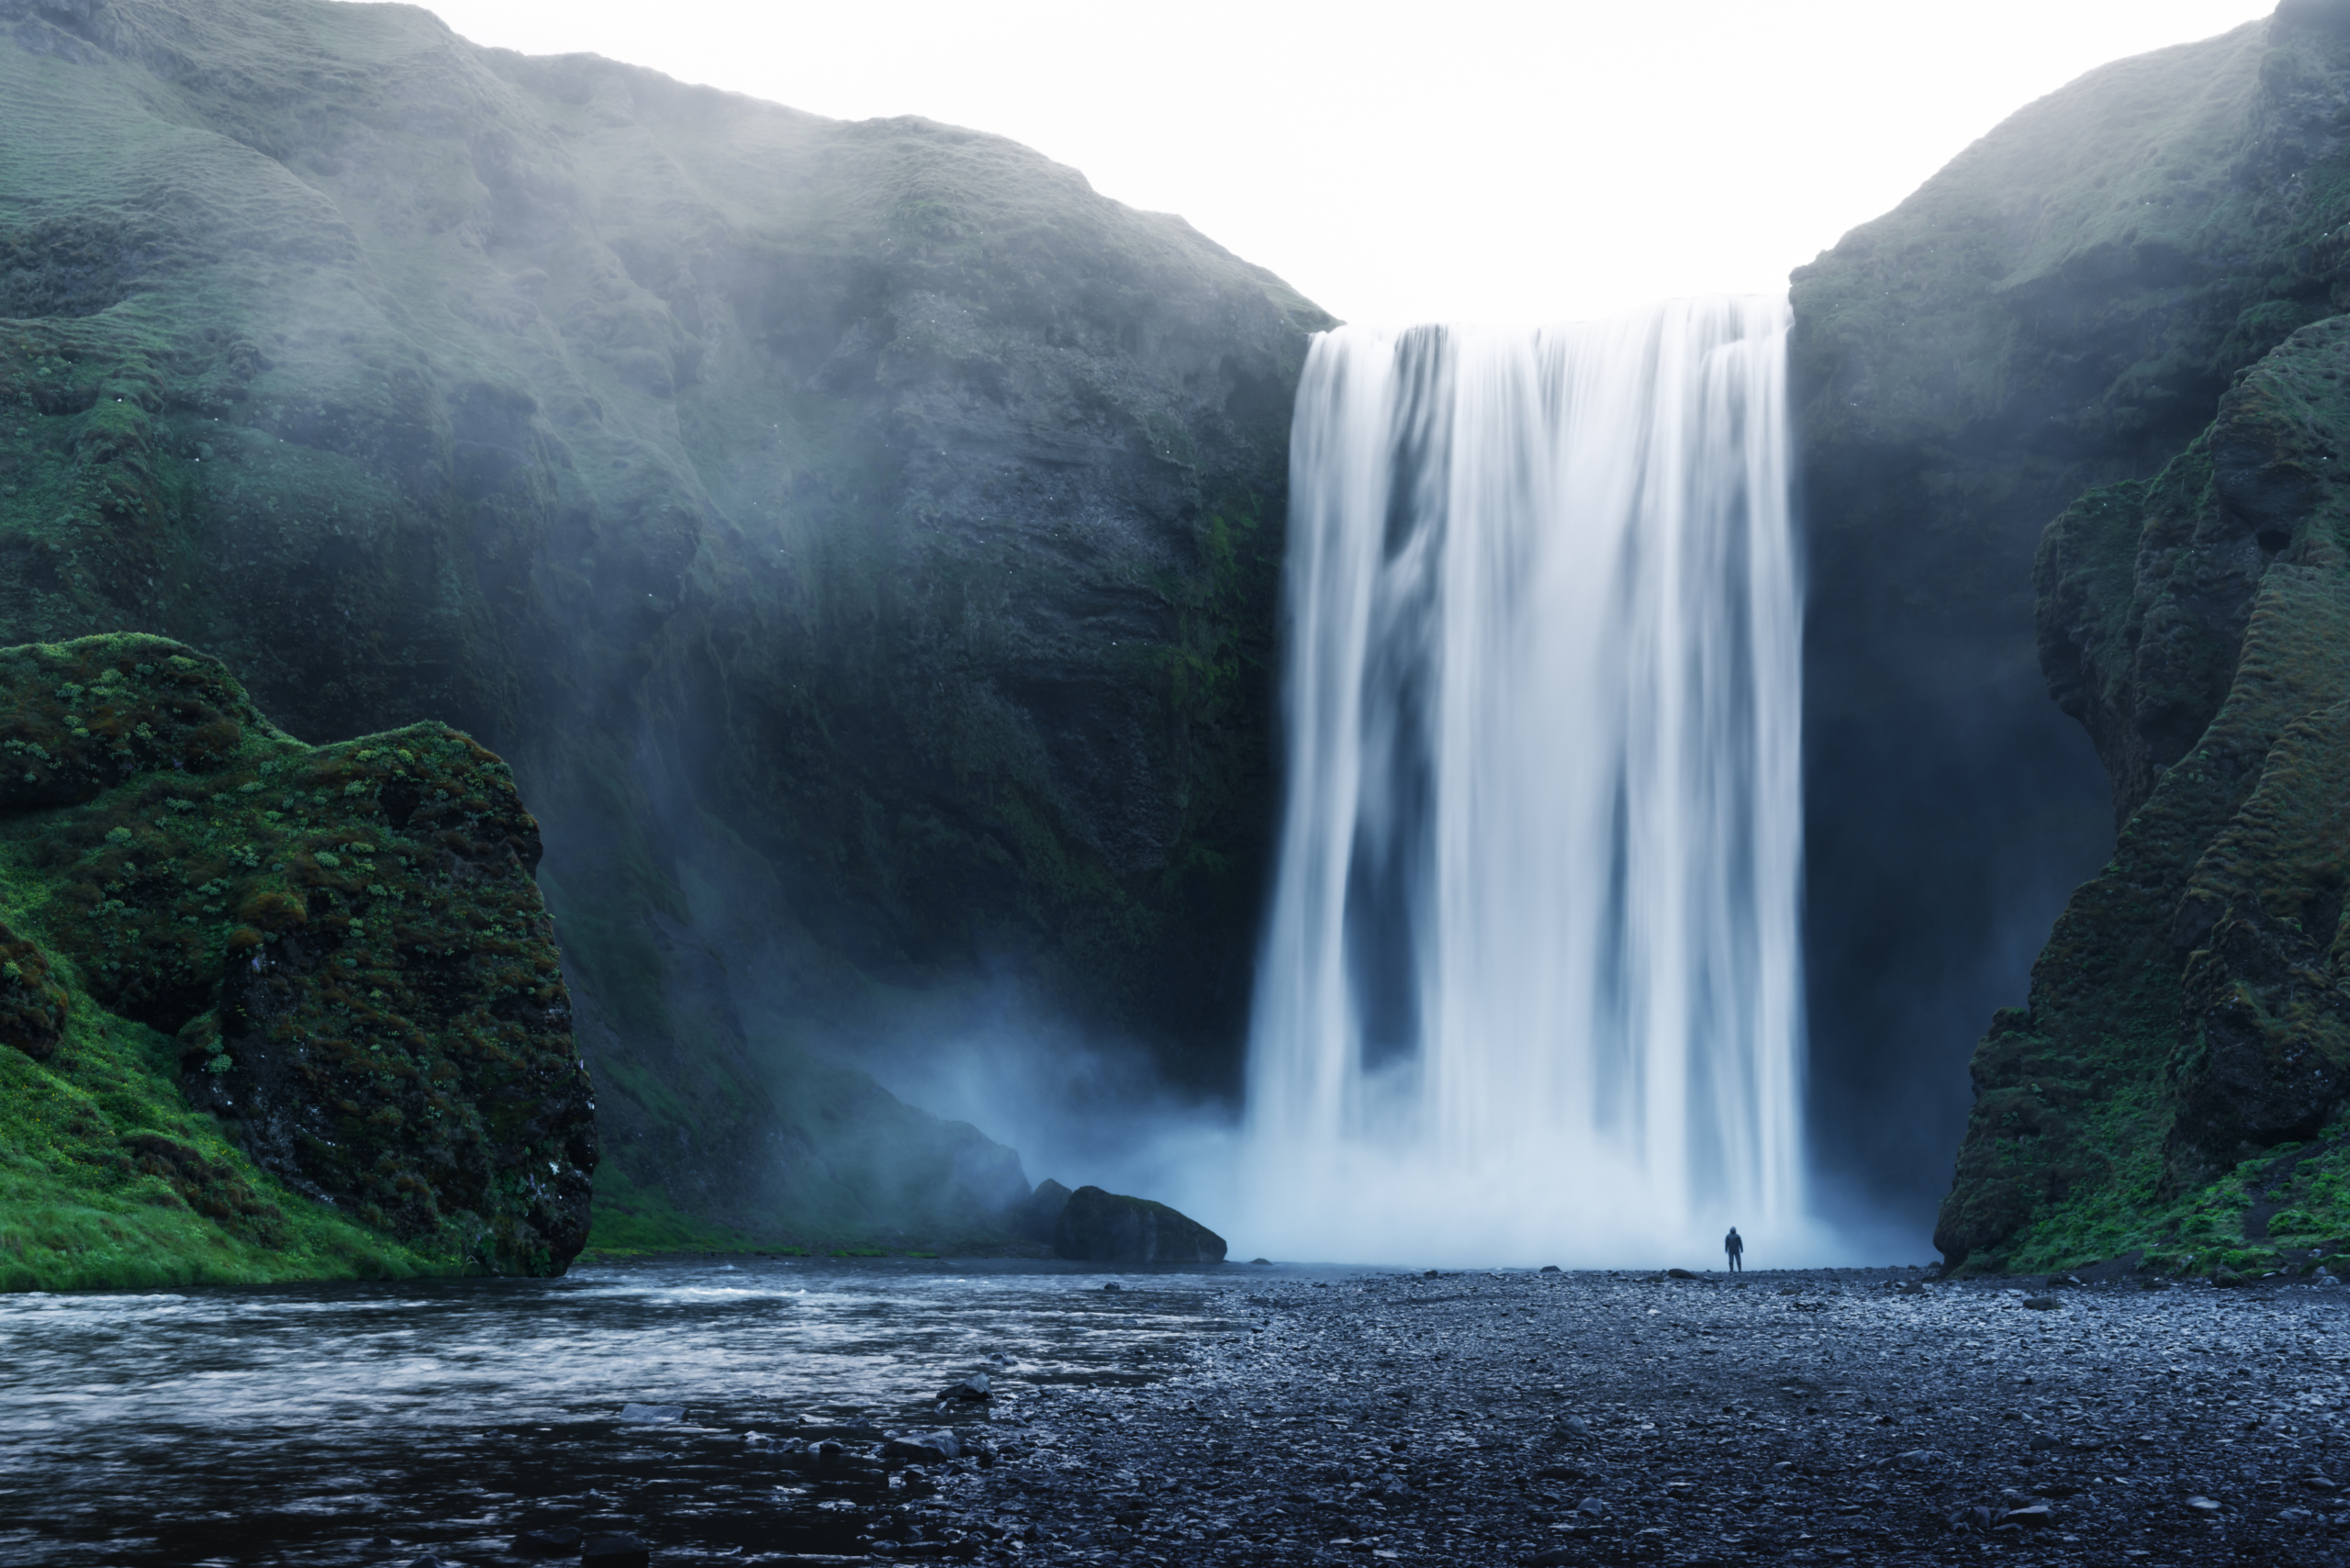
(1038, 1215)
(345, 939)
(1096, 1227)
(861, 538)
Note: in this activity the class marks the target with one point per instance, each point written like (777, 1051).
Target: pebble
(635, 1414)
(1388, 1416)
(922, 1448)
(974, 1387)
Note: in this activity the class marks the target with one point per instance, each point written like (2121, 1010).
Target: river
(372, 1423)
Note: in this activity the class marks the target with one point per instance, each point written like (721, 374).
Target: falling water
(1530, 990)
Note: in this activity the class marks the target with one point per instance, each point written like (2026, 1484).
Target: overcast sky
(1458, 161)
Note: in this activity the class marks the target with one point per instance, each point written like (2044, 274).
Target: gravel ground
(1847, 1416)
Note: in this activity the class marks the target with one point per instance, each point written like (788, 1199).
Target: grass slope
(109, 1181)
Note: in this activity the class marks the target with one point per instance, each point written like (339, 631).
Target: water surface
(364, 1422)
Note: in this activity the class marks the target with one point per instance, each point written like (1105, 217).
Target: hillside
(859, 538)
(2121, 305)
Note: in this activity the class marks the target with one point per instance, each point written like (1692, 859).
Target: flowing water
(1531, 985)
(365, 1423)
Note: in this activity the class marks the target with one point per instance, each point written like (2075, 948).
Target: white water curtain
(1531, 985)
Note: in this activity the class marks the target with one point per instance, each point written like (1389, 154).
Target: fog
(1507, 165)
(1481, 161)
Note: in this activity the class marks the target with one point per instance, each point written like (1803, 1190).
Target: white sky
(1468, 160)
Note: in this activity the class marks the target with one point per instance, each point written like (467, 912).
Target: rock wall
(862, 539)
(2061, 308)
(2119, 310)
(2188, 1016)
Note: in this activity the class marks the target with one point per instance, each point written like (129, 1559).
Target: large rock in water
(1096, 1227)
(345, 940)
(2061, 308)
(862, 539)
(1037, 1217)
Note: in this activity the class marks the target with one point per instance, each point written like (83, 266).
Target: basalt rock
(1096, 1227)
(32, 1004)
(345, 941)
(1039, 1216)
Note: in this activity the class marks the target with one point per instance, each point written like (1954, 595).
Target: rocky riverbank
(1864, 1417)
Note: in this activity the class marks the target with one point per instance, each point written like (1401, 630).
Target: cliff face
(860, 538)
(337, 952)
(2061, 309)
(2120, 310)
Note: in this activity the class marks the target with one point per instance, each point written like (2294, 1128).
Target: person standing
(1734, 1245)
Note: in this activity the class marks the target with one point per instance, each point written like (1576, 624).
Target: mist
(1515, 165)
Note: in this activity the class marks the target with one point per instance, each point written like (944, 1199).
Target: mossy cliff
(2062, 307)
(275, 1010)
(861, 539)
(2175, 1082)
(2121, 310)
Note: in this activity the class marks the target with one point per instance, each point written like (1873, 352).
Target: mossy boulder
(345, 940)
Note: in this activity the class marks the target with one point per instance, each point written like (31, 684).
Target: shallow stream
(367, 1424)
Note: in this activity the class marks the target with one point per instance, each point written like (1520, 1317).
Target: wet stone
(560, 1542)
(618, 1551)
(635, 1414)
(1421, 1415)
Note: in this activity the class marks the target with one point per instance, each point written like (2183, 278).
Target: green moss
(344, 943)
(109, 1181)
(631, 1220)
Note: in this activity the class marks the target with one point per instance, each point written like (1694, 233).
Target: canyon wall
(2117, 307)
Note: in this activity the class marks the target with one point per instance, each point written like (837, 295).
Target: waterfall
(1531, 989)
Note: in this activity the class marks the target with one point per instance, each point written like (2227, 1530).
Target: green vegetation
(2120, 310)
(109, 1181)
(337, 952)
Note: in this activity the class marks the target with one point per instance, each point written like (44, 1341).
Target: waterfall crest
(1531, 986)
